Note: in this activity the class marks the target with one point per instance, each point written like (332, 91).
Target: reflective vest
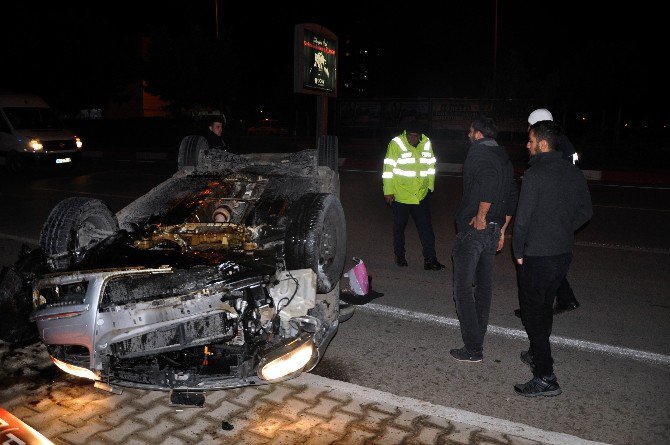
(409, 172)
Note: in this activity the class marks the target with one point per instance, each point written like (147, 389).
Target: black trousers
(421, 215)
(539, 279)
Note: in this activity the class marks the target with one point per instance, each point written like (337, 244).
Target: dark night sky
(435, 49)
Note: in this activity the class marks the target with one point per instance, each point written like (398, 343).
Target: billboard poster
(319, 64)
(397, 112)
(360, 113)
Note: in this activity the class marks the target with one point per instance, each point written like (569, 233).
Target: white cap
(541, 114)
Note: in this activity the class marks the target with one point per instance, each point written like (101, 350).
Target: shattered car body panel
(222, 271)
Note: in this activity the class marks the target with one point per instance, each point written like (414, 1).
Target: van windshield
(24, 118)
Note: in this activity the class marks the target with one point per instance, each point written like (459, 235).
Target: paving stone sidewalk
(309, 410)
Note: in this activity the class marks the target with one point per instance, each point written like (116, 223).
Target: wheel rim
(90, 232)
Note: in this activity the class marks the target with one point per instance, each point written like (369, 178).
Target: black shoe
(539, 386)
(517, 313)
(401, 261)
(560, 308)
(527, 358)
(463, 355)
(433, 264)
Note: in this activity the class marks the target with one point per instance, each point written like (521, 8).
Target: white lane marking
(518, 334)
(421, 407)
(622, 247)
(20, 239)
(80, 192)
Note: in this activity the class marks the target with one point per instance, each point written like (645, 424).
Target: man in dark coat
(565, 296)
(214, 135)
(487, 205)
(554, 202)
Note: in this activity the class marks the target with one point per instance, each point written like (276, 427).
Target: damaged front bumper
(248, 330)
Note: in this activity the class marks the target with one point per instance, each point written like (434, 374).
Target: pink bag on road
(358, 277)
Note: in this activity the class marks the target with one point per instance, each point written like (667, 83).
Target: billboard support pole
(315, 68)
(321, 115)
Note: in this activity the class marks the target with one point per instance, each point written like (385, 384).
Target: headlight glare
(78, 142)
(287, 359)
(35, 145)
(75, 370)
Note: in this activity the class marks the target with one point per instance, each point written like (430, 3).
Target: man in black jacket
(565, 296)
(554, 202)
(214, 135)
(489, 199)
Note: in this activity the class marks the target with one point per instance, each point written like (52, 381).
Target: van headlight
(287, 359)
(35, 145)
(78, 142)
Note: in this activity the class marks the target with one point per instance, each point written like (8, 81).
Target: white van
(32, 134)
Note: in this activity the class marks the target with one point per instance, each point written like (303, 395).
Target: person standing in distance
(214, 135)
(564, 146)
(565, 296)
(409, 181)
(554, 202)
(488, 203)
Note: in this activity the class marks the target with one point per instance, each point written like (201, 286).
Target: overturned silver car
(226, 274)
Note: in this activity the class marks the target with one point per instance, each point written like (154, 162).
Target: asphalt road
(612, 354)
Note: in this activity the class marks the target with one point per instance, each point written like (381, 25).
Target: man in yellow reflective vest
(409, 180)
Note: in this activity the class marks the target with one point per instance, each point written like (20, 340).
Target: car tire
(73, 224)
(189, 150)
(316, 238)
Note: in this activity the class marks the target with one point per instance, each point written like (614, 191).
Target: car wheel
(316, 238)
(74, 224)
(189, 150)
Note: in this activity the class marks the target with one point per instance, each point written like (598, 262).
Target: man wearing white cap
(564, 144)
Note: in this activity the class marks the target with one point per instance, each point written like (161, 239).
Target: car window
(24, 118)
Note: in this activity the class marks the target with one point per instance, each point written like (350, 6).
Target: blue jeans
(539, 279)
(473, 255)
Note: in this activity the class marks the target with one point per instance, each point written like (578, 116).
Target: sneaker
(539, 386)
(463, 355)
(433, 264)
(527, 358)
(401, 261)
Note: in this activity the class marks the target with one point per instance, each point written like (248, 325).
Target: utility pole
(216, 15)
